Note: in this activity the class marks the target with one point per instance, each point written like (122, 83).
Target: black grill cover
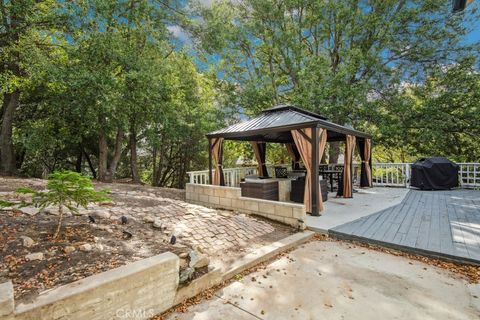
(434, 174)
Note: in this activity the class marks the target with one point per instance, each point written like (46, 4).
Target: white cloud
(206, 3)
(179, 33)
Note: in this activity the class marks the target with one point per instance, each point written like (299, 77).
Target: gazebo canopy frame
(306, 132)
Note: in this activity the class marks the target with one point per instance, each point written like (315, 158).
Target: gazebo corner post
(370, 165)
(315, 179)
(210, 181)
(351, 171)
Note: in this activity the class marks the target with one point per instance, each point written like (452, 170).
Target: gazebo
(305, 135)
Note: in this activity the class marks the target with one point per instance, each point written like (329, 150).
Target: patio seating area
(305, 136)
(347, 200)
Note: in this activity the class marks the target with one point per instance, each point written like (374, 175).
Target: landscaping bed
(97, 240)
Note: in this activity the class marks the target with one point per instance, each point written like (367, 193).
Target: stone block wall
(138, 290)
(230, 198)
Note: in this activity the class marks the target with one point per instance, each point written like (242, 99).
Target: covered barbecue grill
(434, 174)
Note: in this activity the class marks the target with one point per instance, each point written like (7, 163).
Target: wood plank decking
(437, 223)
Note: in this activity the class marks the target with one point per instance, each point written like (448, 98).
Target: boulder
(198, 260)
(34, 256)
(149, 219)
(101, 214)
(86, 247)
(158, 224)
(186, 274)
(31, 211)
(69, 249)
(27, 241)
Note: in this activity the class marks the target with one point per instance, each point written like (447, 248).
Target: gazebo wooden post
(210, 181)
(370, 164)
(351, 170)
(315, 180)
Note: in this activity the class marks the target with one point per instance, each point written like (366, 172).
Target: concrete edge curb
(260, 255)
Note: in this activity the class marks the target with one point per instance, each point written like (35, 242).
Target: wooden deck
(437, 223)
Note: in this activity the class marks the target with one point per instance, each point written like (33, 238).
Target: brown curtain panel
(347, 170)
(217, 153)
(294, 155)
(304, 147)
(260, 151)
(365, 148)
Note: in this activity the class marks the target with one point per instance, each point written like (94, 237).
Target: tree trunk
(133, 156)
(60, 219)
(117, 154)
(154, 165)
(7, 152)
(90, 164)
(78, 163)
(102, 156)
(333, 152)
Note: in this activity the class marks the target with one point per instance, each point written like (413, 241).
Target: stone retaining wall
(138, 290)
(230, 198)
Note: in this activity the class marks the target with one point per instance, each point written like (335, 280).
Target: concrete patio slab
(334, 280)
(339, 211)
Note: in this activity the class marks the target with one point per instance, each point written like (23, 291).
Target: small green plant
(65, 189)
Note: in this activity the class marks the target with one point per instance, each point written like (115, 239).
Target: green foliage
(346, 60)
(105, 89)
(439, 117)
(4, 204)
(65, 189)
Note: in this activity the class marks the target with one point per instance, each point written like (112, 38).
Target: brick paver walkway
(210, 229)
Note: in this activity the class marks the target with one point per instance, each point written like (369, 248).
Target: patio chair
(281, 172)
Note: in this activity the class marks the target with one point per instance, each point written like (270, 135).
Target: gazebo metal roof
(274, 125)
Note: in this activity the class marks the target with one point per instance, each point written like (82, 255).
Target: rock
(106, 203)
(183, 255)
(183, 263)
(101, 214)
(69, 249)
(104, 228)
(34, 256)
(51, 253)
(86, 247)
(99, 247)
(52, 211)
(149, 219)
(27, 241)
(186, 274)
(158, 224)
(198, 260)
(31, 211)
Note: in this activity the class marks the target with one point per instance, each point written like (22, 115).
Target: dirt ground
(85, 248)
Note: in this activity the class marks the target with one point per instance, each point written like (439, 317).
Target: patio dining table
(331, 174)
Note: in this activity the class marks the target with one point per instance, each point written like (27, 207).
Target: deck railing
(383, 174)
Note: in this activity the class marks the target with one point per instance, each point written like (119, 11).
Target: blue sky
(474, 35)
